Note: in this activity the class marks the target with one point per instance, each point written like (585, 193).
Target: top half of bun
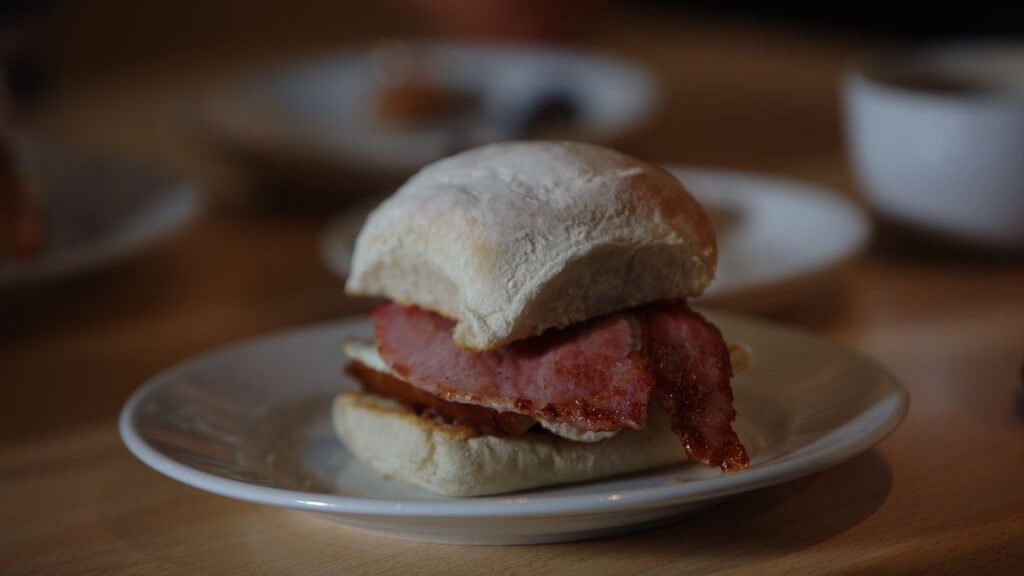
(514, 238)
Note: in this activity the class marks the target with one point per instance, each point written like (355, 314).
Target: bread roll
(514, 238)
(454, 461)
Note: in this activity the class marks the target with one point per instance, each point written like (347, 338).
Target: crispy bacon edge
(693, 383)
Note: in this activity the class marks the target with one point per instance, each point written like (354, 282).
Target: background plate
(313, 121)
(97, 213)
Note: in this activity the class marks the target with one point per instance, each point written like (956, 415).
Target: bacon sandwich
(536, 329)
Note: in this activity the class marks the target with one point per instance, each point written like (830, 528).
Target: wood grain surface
(943, 494)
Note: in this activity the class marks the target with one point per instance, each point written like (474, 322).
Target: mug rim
(879, 71)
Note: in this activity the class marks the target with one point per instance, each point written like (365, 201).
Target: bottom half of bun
(456, 461)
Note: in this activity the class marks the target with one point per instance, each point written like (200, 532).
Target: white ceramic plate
(97, 213)
(318, 115)
(252, 422)
(776, 237)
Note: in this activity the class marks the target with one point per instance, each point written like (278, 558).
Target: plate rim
(895, 404)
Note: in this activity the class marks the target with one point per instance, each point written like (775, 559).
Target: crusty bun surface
(514, 238)
(454, 461)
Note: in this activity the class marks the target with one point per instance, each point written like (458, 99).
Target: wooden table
(944, 493)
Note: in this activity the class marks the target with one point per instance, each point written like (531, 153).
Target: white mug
(936, 138)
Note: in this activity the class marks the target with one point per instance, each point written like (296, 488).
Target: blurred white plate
(318, 116)
(776, 237)
(252, 422)
(97, 213)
